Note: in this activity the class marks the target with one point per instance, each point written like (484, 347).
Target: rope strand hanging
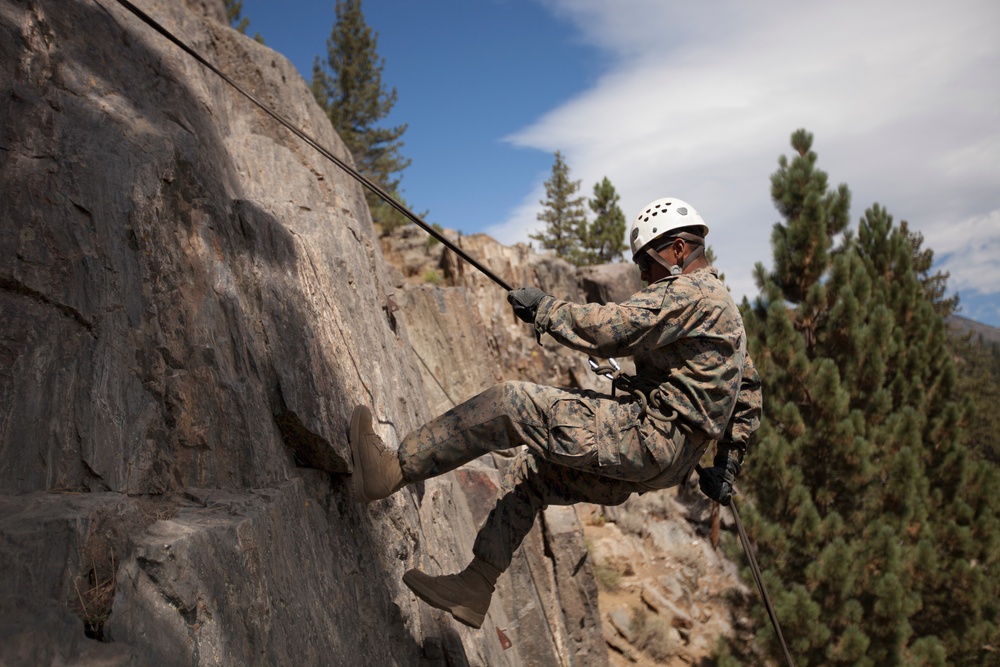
(758, 577)
(351, 171)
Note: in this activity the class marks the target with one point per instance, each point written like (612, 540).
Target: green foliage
(234, 13)
(432, 240)
(563, 214)
(238, 22)
(878, 534)
(386, 217)
(348, 86)
(604, 238)
(567, 231)
(799, 192)
(979, 378)
(935, 286)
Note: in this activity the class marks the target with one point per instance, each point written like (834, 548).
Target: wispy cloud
(903, 98)
(969, 250)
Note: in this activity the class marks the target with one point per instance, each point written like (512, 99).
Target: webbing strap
(353, 173)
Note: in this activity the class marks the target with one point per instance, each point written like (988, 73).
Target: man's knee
(513, 396)
(513, 388)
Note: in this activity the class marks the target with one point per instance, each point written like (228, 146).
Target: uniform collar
(710, 269)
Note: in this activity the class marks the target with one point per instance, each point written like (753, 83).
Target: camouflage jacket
(686, 336)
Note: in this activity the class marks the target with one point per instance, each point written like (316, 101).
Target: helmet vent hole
(654, 230)
(682, 211)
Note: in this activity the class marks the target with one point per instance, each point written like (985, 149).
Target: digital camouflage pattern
(531, 483)
(583, 430)
(581, 447)
(686, 336)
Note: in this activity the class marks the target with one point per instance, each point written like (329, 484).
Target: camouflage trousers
(579, 447)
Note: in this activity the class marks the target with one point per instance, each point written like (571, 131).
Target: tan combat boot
(465, 595)
(377, 473)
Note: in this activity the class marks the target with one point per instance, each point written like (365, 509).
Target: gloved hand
(717, 482)
(525, 302)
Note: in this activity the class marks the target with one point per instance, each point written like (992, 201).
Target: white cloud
(902, 97)
(521, 222)
(970, 252)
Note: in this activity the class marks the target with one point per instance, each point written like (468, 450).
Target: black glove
(717, 482)
(525, 302)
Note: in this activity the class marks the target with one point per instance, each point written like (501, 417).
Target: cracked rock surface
(191, 303)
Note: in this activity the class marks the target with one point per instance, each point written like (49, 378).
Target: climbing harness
(646, 391)
(353, 173)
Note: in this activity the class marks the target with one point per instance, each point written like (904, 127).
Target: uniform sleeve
(608, 330)
(746, 417)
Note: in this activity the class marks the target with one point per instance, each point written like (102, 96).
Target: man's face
(651, 271)
(645, 263)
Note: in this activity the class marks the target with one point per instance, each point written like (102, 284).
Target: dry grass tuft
(608, 576)
(654, 635)
(92, 597)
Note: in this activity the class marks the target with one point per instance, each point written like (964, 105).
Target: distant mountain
(963, 325)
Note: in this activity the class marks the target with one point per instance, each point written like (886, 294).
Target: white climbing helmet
(658, 218)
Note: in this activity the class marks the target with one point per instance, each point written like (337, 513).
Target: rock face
(191, 302)
(444, 298)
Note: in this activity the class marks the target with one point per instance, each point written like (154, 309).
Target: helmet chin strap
(676, 269)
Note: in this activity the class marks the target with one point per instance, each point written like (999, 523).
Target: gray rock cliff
(191, 302)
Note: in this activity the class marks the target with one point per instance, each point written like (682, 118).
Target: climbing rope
(759, 579)
(757, 576)
(351, 171)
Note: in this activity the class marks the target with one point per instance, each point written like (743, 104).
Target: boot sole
(357, 477)
(463, 614)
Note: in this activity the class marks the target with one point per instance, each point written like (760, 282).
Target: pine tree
(867, 514)
(238, 22)
(979, 378)
(348, 86)
(234, 11)
(563, 214)
(604, 238)
(799, 192)
(936, 285)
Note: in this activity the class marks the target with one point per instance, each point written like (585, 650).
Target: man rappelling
(694, 384)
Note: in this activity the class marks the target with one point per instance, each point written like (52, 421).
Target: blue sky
(693, 100)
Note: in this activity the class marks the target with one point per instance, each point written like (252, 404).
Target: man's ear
(679, 246)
